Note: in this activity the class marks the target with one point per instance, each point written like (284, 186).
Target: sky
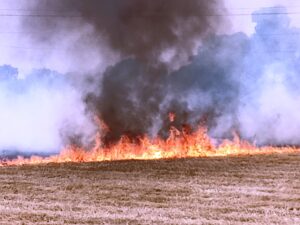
(17, 50)
(244, 23)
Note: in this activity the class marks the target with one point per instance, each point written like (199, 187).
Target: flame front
(178, 145)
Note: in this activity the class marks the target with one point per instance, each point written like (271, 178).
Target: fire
(180, 144)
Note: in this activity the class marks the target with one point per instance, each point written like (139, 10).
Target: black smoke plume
(142, 29)
(150, 36)
(246, 84)
(235, 83)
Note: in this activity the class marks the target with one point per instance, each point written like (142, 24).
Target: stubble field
(234, 190)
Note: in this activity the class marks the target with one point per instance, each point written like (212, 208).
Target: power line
(41, 15)
(29, 48)
(34, 10)
(33, 32)
(149, 14)
(37, 32)
(226, 8)
(58, 49)
(267, 7)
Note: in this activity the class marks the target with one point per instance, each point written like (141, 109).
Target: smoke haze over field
(234, 83)
(132, 62)
(38, 111)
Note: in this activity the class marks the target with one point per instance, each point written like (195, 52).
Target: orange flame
(179, 145)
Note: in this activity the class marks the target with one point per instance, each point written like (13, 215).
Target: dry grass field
(236, 190)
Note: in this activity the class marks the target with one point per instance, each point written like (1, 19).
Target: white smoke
(36, 111)
(271, 114)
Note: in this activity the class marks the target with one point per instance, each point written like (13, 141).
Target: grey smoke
(38, 111)
(151, 36)
(269, 99)
(142, 29)
(234, 83)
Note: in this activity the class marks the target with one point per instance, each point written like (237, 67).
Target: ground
(235, 190)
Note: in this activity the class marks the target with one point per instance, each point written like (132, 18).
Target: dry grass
(246, 190)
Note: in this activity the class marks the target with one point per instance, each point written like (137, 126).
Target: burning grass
(260, 189)
(180, 144)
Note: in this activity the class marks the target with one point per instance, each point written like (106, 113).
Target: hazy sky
(16, 50)
(244, 23)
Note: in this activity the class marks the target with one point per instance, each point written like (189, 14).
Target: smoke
(136, 99)
(234, 83)
(150, 38)
(157, 57)
(269, 99)
(38, 111)
(143, 29)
